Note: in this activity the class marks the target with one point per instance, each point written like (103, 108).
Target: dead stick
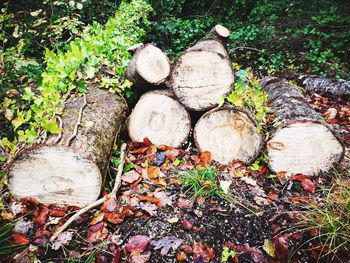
(78, 122)
(100, 201)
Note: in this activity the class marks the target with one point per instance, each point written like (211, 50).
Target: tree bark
(229, 134)
(302, 142)
(161, 118)
(327, 87)
(202, 74)
(149, 66)
(72, 171)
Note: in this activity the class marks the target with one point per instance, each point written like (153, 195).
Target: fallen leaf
(137, 243)
(153, 172)
(62, 239)
(181, 256)
(187, 225)
(256, 255)
(308, 185)
(225, 185)
(269, 248)
(185, 203)
(130, 177)
(249, 181)
(110, 204)
(149, 208)
(166, 243)
(137, 257)
(97, 219)
(299, 177)
(173, 220)
(204, 158)
(41, 216)
(200, 250)
(148, 198)
(97, 232)
(20, 239)
(261, 200)
(164, 198)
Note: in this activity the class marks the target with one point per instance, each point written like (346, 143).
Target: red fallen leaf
(255, 253)
(273, 196)
(186, 248)
(97, 219)
(130, 177)
(101, 259)
(147, 141)
(116, 258)
(97, 232)
(200, 250)
(29, 201)
(41, 216)
(204, 158)
(110, 204)
(137, 257)
(137, 243)
(308, 185)
(262, 170)
(118, 218)
(299, 177)
(282, 174)
(149, 199)
(141, 150)
(57, 212)
(299, 199)
(20, 239)
(153, 172)
(187, 225)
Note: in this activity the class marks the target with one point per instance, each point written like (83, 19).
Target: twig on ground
(100, 201)
(242, 47)
(78, 123)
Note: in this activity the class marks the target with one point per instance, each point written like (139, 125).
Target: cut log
(71, 171)
(302, 142)
(160, 118)
(203, 74)
(229, 134)
(327, 87)
(149, 66)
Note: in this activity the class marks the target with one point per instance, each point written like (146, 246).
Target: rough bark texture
(161, 118)
(328, 87)
(202, 75)
(229, 134)
(302, 143)
(72, 174)
(149, 66)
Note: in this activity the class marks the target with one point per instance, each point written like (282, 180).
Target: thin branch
(78, 123)
(249, 48)
(100, 201)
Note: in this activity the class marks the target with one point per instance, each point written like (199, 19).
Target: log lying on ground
(160, 118)
(149, 66)
(72, 171)
(229, 134)
(328, 87)
(202, 74)
(302, 143)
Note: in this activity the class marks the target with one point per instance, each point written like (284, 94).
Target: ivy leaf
(19, 120)
(51, 126)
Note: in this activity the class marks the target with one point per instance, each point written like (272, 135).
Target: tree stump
(229, 134)
(149, 66)
(71, 172)
(202, 74)
(302, 142)
(160, 118)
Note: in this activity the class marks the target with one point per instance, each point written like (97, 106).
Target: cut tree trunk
(302, 142)
(328, 87)
(229, 134)
(161, 118)
(72, 170)
(202, 74)
(149, 66)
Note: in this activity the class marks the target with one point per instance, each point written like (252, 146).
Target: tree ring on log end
(53, 174)
(152, 65)
(229, 134)
(200, 78)
(308, 148)
(160, 118)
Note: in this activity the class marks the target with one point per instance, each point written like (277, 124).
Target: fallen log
(328, 87)
(148, 67)
(203, 73)
(302, 142)
(229, 134)
(159, 117)
(72, 170)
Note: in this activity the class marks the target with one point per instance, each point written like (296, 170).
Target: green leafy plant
(202, 182)
(249, 95)
(226, 254)
(6, 248)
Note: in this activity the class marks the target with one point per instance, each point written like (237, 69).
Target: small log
(302, 142)
(202, 74)
(72, 171)
(161, 118)
(149, 66)
(327, 87)
(229, 134)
